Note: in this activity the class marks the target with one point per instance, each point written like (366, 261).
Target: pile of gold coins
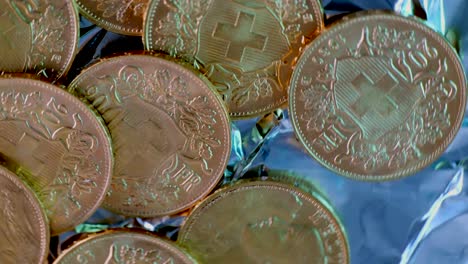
(374, 96)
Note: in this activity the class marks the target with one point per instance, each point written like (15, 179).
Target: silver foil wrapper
(418, 219)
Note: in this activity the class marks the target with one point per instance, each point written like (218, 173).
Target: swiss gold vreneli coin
(170, 132)
(124, 17)
(58, 146)
(377, 97)
(245, 47)
(38, 36)
(124, 247)
(24, 227)
(264, 222)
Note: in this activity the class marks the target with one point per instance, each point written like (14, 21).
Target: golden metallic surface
(170, 131)
(377, 97)
(24, 228)
(58, 146)
(38, 36)
(245, 47)
(264, 222)
(119, 16)
(124, 247)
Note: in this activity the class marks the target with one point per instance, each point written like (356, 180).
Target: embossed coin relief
(170, 133)
(24, 223)
(275, 223)
(117, 247)
(246, 48)
(123, 17)
(38, 36)
(58, 146)
(377, 97)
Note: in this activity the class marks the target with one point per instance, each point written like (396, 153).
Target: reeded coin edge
(105, 24)
(223, 193)
(398, 174)
(148, 23)
(122, 236)
(99, 126)
(41, 218)
(194, 77)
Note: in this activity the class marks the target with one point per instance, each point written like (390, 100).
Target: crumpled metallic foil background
(419, 219)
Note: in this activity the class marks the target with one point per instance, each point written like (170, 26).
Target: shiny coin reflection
(264, 222)
(378, 96)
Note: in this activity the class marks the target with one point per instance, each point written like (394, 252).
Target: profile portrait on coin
(170, 132)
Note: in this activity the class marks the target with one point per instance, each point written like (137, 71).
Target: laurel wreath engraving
(77, 172)
(424, 126)
(120, 9)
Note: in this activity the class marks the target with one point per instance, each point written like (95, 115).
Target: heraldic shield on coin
(264, 222)
(377, 97)
(170, 132)
(246, 48)
(23, 222)
(116, 247)
(38, 36)
(58, 146)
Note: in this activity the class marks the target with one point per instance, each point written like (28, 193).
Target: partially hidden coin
(123, 17)
(58, 146)
(264, 222)
(170, 132)
(245, 47)
(124, 247)
(378, 96)
(38, 36)
(23, 222)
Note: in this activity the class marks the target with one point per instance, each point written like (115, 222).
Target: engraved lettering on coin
(380, 106)
(119, 16)
(169, 130)
(118, 247)
(275, 223)
(58, 146)
(246, 48)
(24, 224)
(39, 36)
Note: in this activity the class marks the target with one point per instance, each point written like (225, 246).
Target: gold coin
(24, 227)
(377, 97)
(170, 132)
(245, 47)
(38, 36)
(123, 17)
(264, 222)
(58, 146)
(124, 247)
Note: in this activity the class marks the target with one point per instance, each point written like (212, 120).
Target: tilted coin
(23, 222)
(124, 17)
(38, 36)
(245, 47)
(377, 97)
(124, 247)
(264, 222)
(58, 146)
(170, 131)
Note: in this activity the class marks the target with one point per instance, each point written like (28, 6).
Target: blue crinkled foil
(418, 219)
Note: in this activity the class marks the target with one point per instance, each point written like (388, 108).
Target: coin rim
(281, 103)
(106, 24)
(121, 235)
(224, 193)
(108, 160)
(342, 24)
(161, 59)
(73, 51)
(41, 219)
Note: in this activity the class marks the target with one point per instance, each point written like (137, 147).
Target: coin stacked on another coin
(377, 96)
